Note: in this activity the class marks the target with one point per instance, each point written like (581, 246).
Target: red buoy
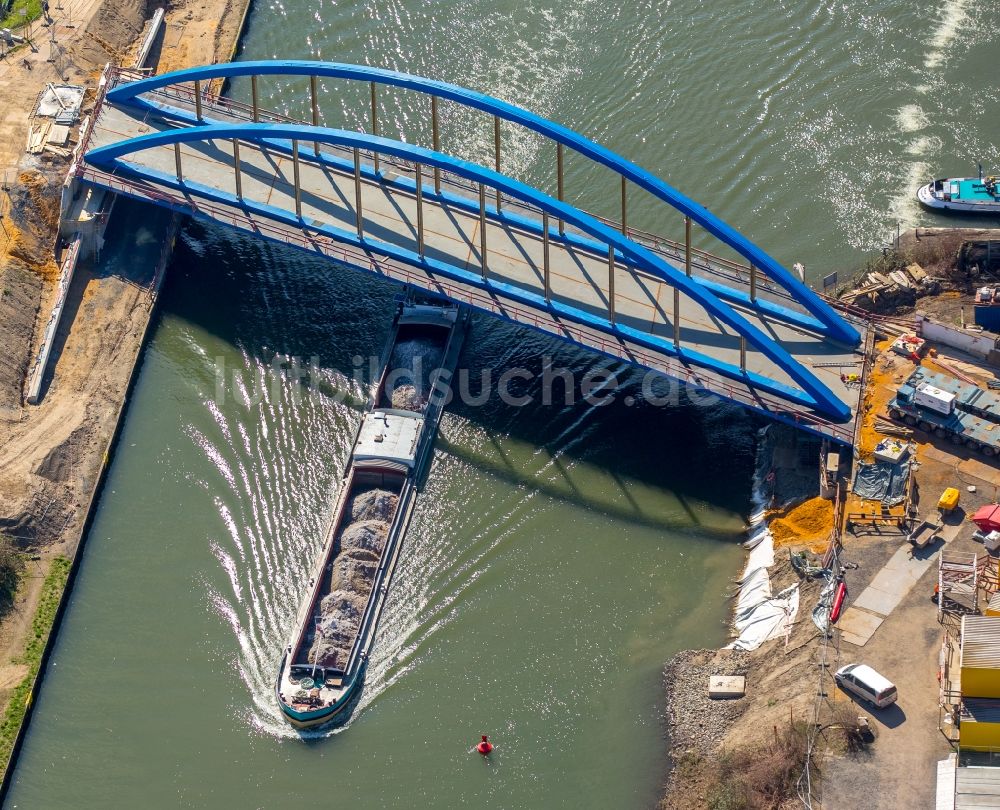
(485, 746)
(838, 601)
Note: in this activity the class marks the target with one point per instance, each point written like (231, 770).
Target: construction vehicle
(949, 409)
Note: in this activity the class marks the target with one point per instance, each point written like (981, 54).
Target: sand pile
(808, 524)
(360, 543)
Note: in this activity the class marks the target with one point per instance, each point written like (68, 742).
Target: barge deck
(322, 668)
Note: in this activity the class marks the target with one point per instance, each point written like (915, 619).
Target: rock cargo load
(360, 545)
(412, 366)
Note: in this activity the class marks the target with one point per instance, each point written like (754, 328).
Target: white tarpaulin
(760, 616)
(821, 613)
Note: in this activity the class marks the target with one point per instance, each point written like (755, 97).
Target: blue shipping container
(988, 317)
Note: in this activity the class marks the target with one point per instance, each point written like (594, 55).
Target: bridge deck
(579, 276)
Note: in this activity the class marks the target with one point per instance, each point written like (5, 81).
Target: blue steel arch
(813, 392)
(829, 322)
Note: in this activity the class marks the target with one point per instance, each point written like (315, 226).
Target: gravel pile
(352, 575)
(695, 722)
(413, 362)
(342, 611)
(361, 544)
(373, 504)
(406, 398)
(366, 538)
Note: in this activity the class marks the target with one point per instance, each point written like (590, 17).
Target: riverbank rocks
(695, 721)
(374, 504)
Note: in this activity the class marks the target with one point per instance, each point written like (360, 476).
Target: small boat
(965, 195)
(323, 666)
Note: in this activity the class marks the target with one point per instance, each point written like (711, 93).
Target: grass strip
(14, 20)
(48, 604)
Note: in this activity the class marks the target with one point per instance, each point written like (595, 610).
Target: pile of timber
(884, 426)
(913, 276)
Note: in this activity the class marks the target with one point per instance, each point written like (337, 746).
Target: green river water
(559, 553)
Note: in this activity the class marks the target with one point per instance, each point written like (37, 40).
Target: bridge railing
(397, 271)
(632, 177)
(702, 264)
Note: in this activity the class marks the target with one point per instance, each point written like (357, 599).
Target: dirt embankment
(950, 264)
(51, 455)
(112, 31)
(28, 276)
(781, 680)
(20, 298)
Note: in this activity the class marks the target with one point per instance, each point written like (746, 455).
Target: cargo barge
(323, 666)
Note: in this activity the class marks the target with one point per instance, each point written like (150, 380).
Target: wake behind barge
(323, 666)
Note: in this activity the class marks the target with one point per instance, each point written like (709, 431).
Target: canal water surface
(559, 553)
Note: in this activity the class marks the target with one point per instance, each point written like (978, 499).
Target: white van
(866, 683)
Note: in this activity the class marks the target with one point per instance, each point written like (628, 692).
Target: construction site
(927, 463)
(893, 546)
(891, 542)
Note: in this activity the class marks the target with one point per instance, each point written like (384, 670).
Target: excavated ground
(51, 454)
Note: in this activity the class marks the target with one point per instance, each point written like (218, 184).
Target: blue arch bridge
(742, 327)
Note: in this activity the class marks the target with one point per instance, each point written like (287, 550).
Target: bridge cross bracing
(432, 227)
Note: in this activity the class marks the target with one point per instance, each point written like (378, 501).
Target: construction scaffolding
(989, 580)
(949, 687)
(958, 582)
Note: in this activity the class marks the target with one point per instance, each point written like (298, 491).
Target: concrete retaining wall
(978, 345)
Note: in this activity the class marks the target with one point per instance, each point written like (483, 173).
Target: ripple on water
(952, 16)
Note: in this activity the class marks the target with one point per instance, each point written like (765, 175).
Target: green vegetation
(760, 777)
(48, 604)
(14, 20)
(889, 261)
(11, 568)
(688, 764)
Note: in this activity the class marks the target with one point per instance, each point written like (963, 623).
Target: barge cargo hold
(323, 666)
